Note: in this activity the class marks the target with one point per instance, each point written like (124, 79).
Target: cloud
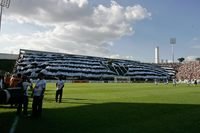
(195, 39)
(195, 42)
(196, 46)
(78, 27)
(117, 56)
(191, 58)
(48, 11)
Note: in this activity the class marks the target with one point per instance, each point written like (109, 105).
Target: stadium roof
(58, 53)
(4, 56)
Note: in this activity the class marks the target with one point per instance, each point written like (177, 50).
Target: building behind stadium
(7, 62)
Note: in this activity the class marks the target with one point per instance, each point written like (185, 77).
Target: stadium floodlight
(172, 42)
(3, 3)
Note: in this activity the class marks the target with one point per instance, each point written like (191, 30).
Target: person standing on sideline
(174, 82)
(15, 80)
(156, 81)
(38, 94)
(1, 82)
(25, 84)
(7, 78)
(59, 89)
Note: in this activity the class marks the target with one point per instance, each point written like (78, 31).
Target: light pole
(172, 42)
(3, 3)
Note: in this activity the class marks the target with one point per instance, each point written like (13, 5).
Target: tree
(181, 59)
(197, 59)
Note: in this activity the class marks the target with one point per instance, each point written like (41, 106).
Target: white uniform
(25, 87)
(174, 81)
(60, 84)
(40, 85)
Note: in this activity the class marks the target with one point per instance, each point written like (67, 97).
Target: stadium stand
(82, 67)
(189, 71)
(171, 68)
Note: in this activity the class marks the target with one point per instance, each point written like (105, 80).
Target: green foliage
(181, 59)
(114, 108)
(197, 59)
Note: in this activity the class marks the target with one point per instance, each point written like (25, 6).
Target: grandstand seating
(82, 67)
(189, 71)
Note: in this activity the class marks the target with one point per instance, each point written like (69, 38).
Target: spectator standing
(25, 84)
(174, 82)
(15, 80)
(189, 82)
(166, 81)
(195, 82)
(1, 82)
(156, 81)
(59, 89)
(7, 80)
(38, 94)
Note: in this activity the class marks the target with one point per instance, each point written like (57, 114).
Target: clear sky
(128, 29)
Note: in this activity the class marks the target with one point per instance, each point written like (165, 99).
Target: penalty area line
(13, 127)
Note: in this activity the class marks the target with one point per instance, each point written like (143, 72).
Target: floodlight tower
(172, 42)
(3, 3)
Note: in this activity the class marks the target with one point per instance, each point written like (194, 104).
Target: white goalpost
(122, 79)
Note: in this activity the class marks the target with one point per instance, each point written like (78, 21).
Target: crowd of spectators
(189, 71)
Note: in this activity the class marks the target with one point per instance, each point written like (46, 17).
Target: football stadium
(90, 66)
(105, 95)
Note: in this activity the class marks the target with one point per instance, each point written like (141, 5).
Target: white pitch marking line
(13, 127)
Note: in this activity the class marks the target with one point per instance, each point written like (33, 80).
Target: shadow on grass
(111, 118)
(116, 118)
(6, 120)
(79, 99)
(69, 100)
(53, 99)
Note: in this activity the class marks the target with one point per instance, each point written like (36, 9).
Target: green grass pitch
(113, 108)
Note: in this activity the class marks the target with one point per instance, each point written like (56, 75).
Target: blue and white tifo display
(81, 67)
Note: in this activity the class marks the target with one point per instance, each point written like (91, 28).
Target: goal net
(121, 79)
